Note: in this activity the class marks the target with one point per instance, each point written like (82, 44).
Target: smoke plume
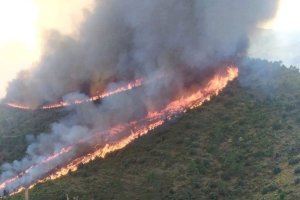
(122, 40)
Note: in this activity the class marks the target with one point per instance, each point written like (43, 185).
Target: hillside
(244, 144)
(16, 127)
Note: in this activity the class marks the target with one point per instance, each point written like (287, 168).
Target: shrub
(277, 126)
(297, 170)
(297, 181)
(223, 189)
(226, 176)
(213, 196)
(270, 188)
(294, 150)
(282, 195)
(276, 170)
(294, 161)
(199, 166)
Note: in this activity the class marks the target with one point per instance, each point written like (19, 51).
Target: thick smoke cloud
(122, 40)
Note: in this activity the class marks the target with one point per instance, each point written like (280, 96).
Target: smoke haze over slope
(276, 46)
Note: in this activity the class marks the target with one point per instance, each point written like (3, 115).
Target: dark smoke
(122, 40)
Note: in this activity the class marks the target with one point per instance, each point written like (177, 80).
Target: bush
(282, 195)
(276, 170)
(297, 181)
(213, 196)
(199, 166)
(297, 170)
(270, 188)
(277, 126)
(294, 161)
(226, 176)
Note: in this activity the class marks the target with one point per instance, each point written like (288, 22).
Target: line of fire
(122, 134)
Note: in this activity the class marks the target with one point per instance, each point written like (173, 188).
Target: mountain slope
(15, 125)
(245, 143)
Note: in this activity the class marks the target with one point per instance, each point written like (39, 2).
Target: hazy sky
(22, 26)
(23, 23)
(288, 17)
(280, 39)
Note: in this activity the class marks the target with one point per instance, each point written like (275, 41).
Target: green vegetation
(244, 144)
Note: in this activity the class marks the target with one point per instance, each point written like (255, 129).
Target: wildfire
(18, 106)
(134, 129)
(61, 104)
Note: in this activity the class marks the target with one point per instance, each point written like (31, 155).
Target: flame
(61, 104)
(18, 106)
(135, 129)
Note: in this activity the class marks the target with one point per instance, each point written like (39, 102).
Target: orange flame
(18, 106)
(61, 104)
(140, 127)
